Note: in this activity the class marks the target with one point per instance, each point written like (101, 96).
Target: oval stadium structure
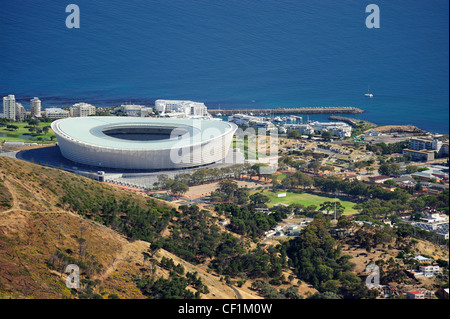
(143, 143)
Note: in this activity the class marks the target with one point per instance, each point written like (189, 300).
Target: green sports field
(307, 199)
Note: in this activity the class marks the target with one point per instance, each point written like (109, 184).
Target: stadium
(143, 143)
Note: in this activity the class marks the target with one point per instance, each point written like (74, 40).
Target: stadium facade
(143, 143)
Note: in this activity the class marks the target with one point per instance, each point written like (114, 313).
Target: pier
(289, 111)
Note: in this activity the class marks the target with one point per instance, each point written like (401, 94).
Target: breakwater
(352, 122)
(289, 111)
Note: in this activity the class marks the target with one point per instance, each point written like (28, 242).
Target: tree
(12, 127)
(295, 134)
(314, 165)
(390, 182)
(297, 208)
(162, 180)
(178, 188)
(411, 169)
(241, 196)
(419, 186)
(326, 135)
(228, 188)
(325, 295)
(259, 199)
(389, 169)
(331, 206)
(344, 223)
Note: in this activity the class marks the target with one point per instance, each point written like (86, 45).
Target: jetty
(288, 110)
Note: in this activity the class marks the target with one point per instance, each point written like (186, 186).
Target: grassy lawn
(22, 134)
(249, 147)
(307, 200)
(242, 145)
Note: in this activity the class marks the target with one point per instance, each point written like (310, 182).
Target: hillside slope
(39, 236)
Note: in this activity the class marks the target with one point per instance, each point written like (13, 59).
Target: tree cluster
(317, 259)
(246, 220)
(387, 149)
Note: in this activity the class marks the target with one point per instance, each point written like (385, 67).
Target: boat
(277, 119)
(368, 94)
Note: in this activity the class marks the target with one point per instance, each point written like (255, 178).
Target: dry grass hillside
(39, 236)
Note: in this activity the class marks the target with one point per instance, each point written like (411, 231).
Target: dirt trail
(130, 251)
(14, 198)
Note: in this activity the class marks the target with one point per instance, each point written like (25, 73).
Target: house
(422, 259)
(405, 182)
(414, 295)
(295, 232)
(378, 179)
(281, 204)
(434, 217)
(414, 274)
(429, 270)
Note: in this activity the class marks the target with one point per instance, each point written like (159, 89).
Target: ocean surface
(233, 54)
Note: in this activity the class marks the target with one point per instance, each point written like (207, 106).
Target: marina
(288, 111)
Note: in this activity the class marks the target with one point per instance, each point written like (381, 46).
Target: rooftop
(90, 130)
(379, 177)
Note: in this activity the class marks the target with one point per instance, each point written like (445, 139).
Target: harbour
(289, 111)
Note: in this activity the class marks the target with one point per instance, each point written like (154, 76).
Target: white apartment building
(340, 129)
(82, 110)
(419, 144)
(252, 121)
(188, 108)
(242, 119)
(9, 107)
(35, 104)
(20, 112)
(56, 113)
(301, 128)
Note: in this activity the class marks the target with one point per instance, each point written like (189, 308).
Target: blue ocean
(233, 54)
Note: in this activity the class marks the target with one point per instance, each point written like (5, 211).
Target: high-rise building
(35, 107)
(9, 107)
(20, 112)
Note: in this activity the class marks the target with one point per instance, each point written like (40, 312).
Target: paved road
(238, 294)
